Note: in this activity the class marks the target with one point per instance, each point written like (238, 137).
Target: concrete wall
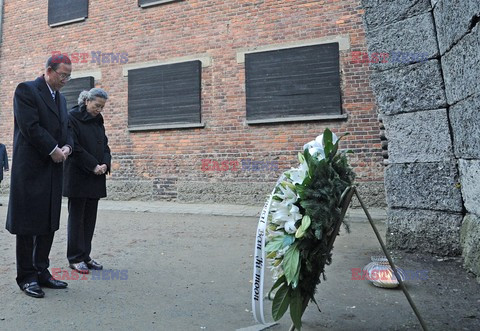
(431, 112)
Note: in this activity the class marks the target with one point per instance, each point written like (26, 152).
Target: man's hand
(100, 169)
(66, 151)
(58, 156)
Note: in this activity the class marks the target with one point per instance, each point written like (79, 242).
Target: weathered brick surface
(158, 162)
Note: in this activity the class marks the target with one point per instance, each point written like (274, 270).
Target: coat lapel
(46, 96)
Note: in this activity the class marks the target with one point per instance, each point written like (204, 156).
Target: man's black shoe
(53, 283)
(33, 289)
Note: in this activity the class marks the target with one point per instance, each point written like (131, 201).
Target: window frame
(92, 85)
(155, 3)
(168, 125)
(69, 21)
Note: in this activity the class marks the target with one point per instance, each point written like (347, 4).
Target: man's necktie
(53, 96)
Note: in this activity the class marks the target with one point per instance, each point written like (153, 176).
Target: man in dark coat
(41, 143)
(3, 162)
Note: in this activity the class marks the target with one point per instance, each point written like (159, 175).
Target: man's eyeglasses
(64, 77)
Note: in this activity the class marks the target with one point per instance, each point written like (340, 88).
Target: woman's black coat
(91, 149)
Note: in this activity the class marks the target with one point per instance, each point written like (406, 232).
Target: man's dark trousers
(33, 267)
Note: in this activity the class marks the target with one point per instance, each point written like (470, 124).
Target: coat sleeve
(69, 140)
(107, 156)
(85, 160)
(5, 159)
(28, 120)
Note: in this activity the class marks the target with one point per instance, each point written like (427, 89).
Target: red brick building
(194, 80)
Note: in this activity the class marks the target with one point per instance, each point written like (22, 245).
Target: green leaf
(300, 233)
(271, 255)
(327, 142)
(301, 157)
(279, 282)
(306, 221)
(296, 309)
(334, 150)
(288, 240)
(291, 264)
(275, 244)
(281, 302)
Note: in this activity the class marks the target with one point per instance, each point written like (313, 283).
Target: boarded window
(66, 11)
(149, 3)
(72, 90)
(165, 94)
(294, 82)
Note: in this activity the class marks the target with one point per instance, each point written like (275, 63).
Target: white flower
(297, 175)
(281, 252)
(316, 146)
(286, 213)
(287, 195)
(277, 271)
(290, 227)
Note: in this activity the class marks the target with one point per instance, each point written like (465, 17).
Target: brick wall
(166, 164)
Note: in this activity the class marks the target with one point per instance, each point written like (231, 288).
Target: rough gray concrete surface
(194, 272)
(451, 28)
(465, 122)
(421, 136)
(415, 87)
(129, 190)
(372, 194)
(407, 229)
(461, 67)
(470, 239)
(449, 82)
(414, 38)
(470, 182)
(223, 192)
(431, 186)
(383, 12)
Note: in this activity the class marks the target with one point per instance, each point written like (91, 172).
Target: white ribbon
(259, 260)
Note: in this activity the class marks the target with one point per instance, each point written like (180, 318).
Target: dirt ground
(194, 272)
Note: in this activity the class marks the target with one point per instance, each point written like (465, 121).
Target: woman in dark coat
(84, 176)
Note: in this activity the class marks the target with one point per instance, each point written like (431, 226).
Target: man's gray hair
(91, 95)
